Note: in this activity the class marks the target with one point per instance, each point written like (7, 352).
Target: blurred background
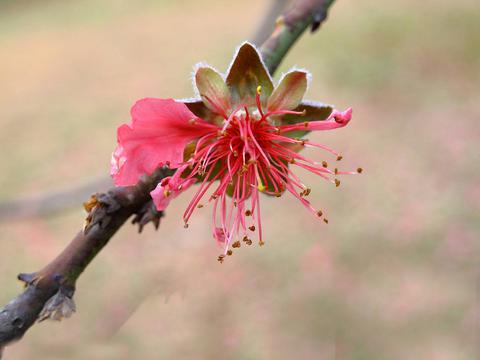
(395, 275)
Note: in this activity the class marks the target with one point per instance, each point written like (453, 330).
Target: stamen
(359, 170)
(337, 182)
(247, 241)
(324, 164)
(236, 244)
(339, 157)
(251, 228)
(257, 100)
(260, 185)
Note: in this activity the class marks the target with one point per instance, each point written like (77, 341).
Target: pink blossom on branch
(240, 139)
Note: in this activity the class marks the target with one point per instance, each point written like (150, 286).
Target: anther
(335, 171)
(248, 212)
(247, 241)
(200, 206)
(337, 182)
(359, 170)
(192, 121)
(185, 225)
(259, 89)
(301, 141)
(306, 192)
(221, 258)
(324, 164)
(252, 228)
(236, 244)
(166, 193)
(319, 213)
(339, 157)
(261, 243)
(305, 124)
(325, 221)
(229, 252)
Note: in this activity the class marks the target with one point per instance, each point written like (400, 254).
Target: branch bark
(289, 26)
(49, 292)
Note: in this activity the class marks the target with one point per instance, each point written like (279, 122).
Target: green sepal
(213, 90)
(246, 74)
(198, 108)
(311, 111)
(289, 92)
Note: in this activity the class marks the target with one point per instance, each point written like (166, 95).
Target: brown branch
(49, 292)
(290, 25)
(267, 23)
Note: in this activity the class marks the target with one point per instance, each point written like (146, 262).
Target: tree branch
(289, 26)
(49, 292)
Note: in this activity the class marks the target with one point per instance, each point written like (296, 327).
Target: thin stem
(288, 28)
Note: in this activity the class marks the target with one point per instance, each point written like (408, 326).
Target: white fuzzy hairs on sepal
(189, 100)
(259, 55)
(201, 64)
(316, 103)
(300, 69)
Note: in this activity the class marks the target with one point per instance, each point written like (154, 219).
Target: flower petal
(337, 119)
(213, 90)
(289, 92)
(169, 188)
(159, 131)
(246, 73)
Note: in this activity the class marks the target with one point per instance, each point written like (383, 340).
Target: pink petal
(342, 117)
(337, 119)
(169, 188)
(159, 131)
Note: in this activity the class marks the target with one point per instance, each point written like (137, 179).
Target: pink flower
(242, 138)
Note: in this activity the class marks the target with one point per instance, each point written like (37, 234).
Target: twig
(49, 292)
(289, 26)
(264, 29)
